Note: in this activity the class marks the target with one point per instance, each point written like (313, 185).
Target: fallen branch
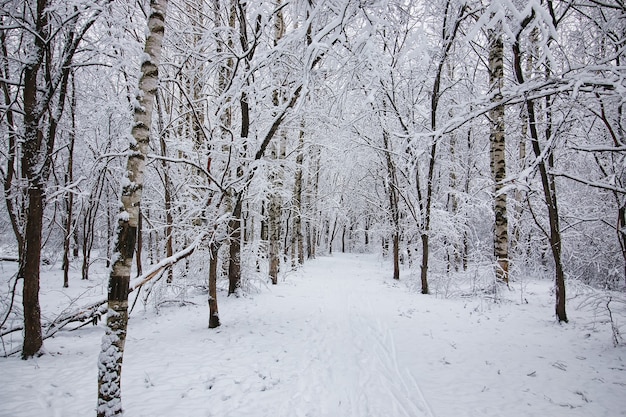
(91, 313)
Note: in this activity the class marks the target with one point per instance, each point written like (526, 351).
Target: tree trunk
(297, 244)
(498, 155)
(548, 185)
(112, 352)
(274, 212)
(396, 256)
(138, 253)
(33, 340)
(13, 209)
(449, 33)
(424, 265)
(33, 137)
(276, 177)
(234, 263)
(169, 218)
(69, 197)
(214, 317)
(394, 208)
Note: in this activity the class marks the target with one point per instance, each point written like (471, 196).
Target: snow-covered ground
(336, 338)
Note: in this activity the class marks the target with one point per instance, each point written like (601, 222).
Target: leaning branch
(94, 311)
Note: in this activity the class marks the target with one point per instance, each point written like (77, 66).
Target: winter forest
(158, 153)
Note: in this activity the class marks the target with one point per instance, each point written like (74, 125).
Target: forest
(230, 142)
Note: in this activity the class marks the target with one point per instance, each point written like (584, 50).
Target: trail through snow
(336, 338)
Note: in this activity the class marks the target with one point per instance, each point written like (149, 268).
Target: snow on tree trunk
(45, 80)
(498, 155)
(297, 243)
(30, 160)
(275, 211)
(276, 175)
(544, 163)
(112, 351)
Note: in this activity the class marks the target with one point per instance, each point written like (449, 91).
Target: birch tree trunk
(112, 351)
(276, 176)
(297, 243)
(498, 155)
(275, 211)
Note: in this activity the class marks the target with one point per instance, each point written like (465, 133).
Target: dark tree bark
(69, 197)
(214, 317)
(33, 138)
(234, 263)
(544, 164)
(44, 89)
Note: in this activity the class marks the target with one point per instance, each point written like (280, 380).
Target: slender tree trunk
(111, 355)
(393, 204)
(169, 218)
(138, 253)
(396, 256)
(69, 197)
(234, 263)
(296, 237)
(449, 32)
(521, 155)
(214, 317)
(276, 177)
(89, 222)
(110, 233)
(274, 229)
(548, 185)
(297, 243)
(13, 208)
(498, 155)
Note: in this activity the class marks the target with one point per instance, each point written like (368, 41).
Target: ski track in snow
(337, 338)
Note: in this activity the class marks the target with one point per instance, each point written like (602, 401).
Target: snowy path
(349, 366)
(318, 349)
(337, 338)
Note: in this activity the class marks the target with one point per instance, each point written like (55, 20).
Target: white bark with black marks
(112, 352)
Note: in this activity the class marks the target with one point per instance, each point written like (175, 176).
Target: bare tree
(47, 36)
(545, 163)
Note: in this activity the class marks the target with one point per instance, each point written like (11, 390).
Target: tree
(111, 355)
(545, 163)
(44, 37)
(498, 153)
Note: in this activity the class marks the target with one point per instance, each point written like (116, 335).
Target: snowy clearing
(336, 338)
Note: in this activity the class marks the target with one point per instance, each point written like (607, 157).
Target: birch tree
(112, 351)
(498, 152)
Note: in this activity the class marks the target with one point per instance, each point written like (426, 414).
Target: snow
(339, 338)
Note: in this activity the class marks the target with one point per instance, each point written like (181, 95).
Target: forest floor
(336, 338)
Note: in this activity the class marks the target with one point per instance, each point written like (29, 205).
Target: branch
(93, 311)
(193, 164)
(594, 184)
